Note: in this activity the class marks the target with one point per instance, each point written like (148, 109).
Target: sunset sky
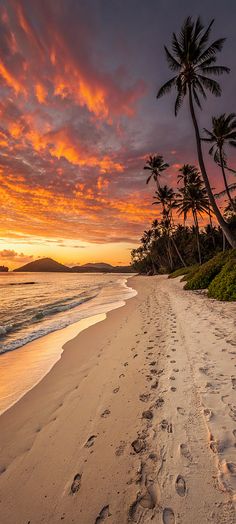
(78, 80)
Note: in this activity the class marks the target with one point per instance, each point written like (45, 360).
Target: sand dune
(135, 423)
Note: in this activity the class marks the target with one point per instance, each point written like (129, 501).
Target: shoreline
(42, 353)
(129, 428)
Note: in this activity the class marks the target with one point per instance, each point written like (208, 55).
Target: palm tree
(156, 165)
(193, 61)
(223, 132)
(165, 196)
(188, 174)
(193, 198)
(146, 241)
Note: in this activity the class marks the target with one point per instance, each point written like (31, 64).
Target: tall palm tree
(193, 61)
(223, 132)
(193, 198)
(156, 165)
(165, 196)
(188, 174)
(146, 241)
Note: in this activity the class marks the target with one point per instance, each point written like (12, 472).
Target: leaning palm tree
(156, 165)
(193, 61)
(193, 199)
(223, 132)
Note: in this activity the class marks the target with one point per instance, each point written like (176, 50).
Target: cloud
(13, 256)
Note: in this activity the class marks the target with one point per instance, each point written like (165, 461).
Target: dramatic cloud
(79, 116)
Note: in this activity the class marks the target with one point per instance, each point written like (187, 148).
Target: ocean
(35, 305)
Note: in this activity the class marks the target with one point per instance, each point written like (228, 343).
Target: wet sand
(135, 423)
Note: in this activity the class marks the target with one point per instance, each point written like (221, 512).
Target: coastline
(22, 368)
(139, 377)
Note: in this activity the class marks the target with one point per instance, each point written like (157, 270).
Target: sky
(79, 116)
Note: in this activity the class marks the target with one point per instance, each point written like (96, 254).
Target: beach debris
(76, 483)
(138, 445)
(147, 414)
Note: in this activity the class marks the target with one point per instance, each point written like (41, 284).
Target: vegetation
(183, 271)
(223, 132)
(207, 272)
(193, 60)
(223, 287)
(197, 253)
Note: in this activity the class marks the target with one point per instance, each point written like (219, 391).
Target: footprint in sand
(146, 501)
(116, 390)
(90, 441)
(233, 380)
(138, 445)
(231, 468)
(181, 410)
(185, 451)
(105, 413)
(180, 486)
(104, 513)
(144, 397)
(76, 483)
(168, 516)
(208, 414)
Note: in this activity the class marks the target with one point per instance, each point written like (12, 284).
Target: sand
(135, 423)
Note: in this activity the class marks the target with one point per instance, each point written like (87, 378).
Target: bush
(182, 271)
(223, 287)
(208, 271)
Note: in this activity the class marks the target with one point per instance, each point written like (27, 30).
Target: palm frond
(231, 188)
(166, 87)
(205, 37)
(211, 50)
(211, 85)
(173, 63)
(215, 70)
(178, 102)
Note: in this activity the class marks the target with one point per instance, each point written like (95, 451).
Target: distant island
(4, 269)
(52, 266)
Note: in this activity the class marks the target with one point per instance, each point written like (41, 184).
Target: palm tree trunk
(229, 235)
(225, 180)
(197, 235)
(178, 253)
(211, 226)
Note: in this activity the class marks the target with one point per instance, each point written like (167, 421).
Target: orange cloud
(41, 93)
(10, 80)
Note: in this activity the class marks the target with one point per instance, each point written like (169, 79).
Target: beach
(136, 422)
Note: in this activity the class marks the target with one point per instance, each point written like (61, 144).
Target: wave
(36, 322)
(8, 330)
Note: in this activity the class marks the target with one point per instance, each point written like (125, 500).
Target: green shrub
(192, 270)
(182, 271)
(223, 287)
(208, 271)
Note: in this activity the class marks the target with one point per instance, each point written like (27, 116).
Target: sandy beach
(135, 423)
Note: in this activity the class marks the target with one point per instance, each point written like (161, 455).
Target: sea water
(39, 312)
